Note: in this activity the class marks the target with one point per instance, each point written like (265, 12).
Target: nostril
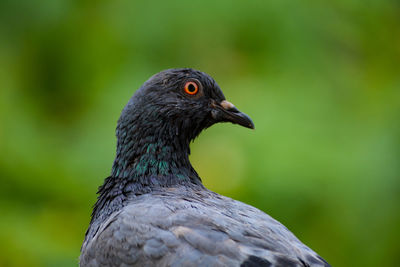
(227, 105)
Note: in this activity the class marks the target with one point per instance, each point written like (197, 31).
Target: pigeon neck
(143, 163)
(157, 159)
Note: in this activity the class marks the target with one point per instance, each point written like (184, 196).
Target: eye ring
(191, 88)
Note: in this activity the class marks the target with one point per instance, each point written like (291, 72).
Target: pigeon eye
(191, 88)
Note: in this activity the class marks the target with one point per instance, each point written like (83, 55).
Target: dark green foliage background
(321, 80)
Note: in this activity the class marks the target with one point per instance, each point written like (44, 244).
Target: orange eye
(191, 88)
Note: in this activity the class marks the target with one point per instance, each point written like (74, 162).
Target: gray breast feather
(173, 229)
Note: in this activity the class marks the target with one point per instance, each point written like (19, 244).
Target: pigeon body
(153, 209)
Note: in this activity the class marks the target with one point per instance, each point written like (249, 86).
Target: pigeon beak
(227, 112)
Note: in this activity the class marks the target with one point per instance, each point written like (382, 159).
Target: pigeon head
(184, 101)
(164, 115)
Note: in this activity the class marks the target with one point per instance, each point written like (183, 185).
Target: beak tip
(246, 122)
(251, 126)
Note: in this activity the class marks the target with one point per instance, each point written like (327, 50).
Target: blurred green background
(321, 80)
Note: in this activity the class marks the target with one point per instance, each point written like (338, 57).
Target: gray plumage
(164, 216)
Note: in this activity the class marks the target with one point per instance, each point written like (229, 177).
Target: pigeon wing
(180, 227)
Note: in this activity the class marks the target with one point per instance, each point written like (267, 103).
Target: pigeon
(153, 209)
